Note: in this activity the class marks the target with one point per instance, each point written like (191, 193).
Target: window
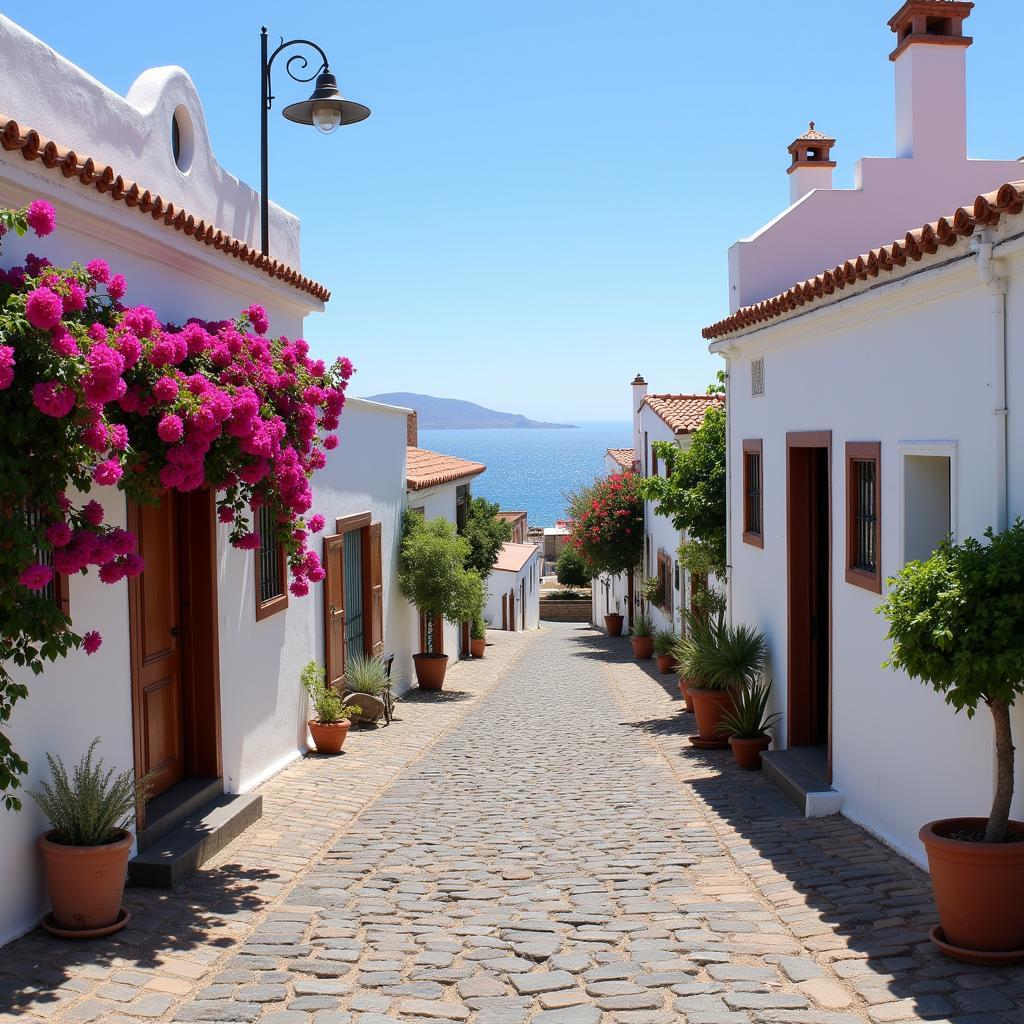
(863, 511)
(57, 589)
(665, 580)
(753, 497)
(646, 451)
(928, 488)
(654, 461)
(757, 378)
(271, 569)
(461, 506)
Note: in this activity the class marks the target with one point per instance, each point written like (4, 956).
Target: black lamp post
(326, 109)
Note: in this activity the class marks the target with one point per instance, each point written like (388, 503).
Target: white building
(872, 411)
(513, 588)
(134, 181)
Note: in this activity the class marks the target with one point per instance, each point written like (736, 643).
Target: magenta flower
(331, 442)
(52, 399)
(58, 534)
(248, 541)
(93, 514)
(63, 343)
(170, 428)
(107, 473)
(43, 308)
(300, 588)
(74, 301)
(91, 642)
(35, 577)
(258, 318)
(41, 217)
(317, 523)
(6, 367)
(117, 286)
(165, 389)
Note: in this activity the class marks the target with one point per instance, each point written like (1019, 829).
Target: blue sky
(540, 205)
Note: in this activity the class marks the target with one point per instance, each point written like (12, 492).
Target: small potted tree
(956, 622)
(641, 636)
(478, 636)
(332, 722)
(86, 850)
(749, 724)
(366, 679)
(613, 621)
(664, 643)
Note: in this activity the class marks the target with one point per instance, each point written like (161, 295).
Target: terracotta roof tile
(512, 517)
(429, 469)
(1008, 200)
(623, 456)
(512, 557)
(105, 179)
(683, 413)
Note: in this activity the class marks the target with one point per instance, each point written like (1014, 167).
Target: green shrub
(328, 706)
(432, 573)
(570, 569)
(91, 808)
(749, 718)
(642, 626)
(365, 675)
(478, 629)
(664, 641)
(653, 591)
(485, 533)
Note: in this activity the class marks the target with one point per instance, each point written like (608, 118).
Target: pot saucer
(123, 917)
(702, 744)
(974, 956)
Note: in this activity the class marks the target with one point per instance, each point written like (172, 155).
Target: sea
(532, 469)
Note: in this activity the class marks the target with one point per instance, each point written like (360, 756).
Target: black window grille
(271, 583)
(44, 553)
(753, 490)
(865, 555)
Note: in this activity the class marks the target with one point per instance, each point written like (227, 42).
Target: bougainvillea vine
(606, 526)
(97, 393)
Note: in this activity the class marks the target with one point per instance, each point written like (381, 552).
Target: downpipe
(728, 485)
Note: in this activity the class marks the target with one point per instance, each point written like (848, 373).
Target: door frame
(798, 682)
(200, 640)
(362, 521)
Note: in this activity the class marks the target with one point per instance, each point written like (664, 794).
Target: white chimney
(812, 164)
(639, 386)
(931, 78)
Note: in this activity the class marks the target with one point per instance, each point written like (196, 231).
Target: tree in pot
(749, 724)
(956, 622)
(366, 679)
(478, 636)
(86, 850)
(664, 643)
(725, 658)
(332, 722)
(433, 576)
(641, 636)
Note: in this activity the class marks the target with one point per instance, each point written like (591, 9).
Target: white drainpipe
(981, 244)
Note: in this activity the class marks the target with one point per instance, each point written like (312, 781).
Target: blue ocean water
(532, 469)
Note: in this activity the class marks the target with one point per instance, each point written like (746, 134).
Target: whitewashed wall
(610, 594)
(502, 581)
(906, 358)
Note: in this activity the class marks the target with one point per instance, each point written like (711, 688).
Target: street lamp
(327, 109)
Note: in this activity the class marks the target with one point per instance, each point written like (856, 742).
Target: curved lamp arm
(299, 58)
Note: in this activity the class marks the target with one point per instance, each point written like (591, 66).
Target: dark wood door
(335, 654)
(158, 699)
(512, 610)
(522, 601)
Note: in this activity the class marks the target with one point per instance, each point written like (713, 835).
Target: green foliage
(365, 675)
(91, 808)
(328, 705)
(570, 569)
(689, 649)
(749, 718)
(664, 641)
(469, 597)
(432, 573)
(607, 524)
(734, 658)
(642, 626)
(692, 493)
(653, 591)
(485, 533)
(478, 628)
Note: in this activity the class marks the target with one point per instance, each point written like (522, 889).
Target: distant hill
(453, 414)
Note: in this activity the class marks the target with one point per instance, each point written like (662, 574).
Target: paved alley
(560, 855)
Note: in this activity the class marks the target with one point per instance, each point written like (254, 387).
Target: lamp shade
(326, 108)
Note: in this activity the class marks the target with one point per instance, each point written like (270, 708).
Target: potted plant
(955, 622)
(478, 637)
(366, 679)
(725, 658)
(653, 591)
(332, 722)
(749, 724)
(686, 651)
(664, 644)
(613, 622)
(433, 576)
(86, 850)
(641, 636)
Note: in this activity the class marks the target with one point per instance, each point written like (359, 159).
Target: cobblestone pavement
(560, 856)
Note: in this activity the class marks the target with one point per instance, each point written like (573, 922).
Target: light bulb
(326, 117)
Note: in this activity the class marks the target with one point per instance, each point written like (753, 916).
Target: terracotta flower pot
(748, 751)
(613, 624)
(85, 882)
(643, 646)
(430, 670)
(666, 663)
(979, 891)
(685, 685)
(477, 647)
(709, 706)
(329, 737)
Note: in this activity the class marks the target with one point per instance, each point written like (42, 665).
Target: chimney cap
(639, 379)
(812, 149)
(934, 22)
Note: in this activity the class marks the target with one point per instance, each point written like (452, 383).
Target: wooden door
(522, 601)
(157, 692)
(376, 633)
(512, 609)
(335, 654)
(504, 611)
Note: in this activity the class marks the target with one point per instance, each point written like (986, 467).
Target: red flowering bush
(95, 392)
(606, 524)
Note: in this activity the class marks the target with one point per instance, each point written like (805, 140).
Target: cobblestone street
(558, 855)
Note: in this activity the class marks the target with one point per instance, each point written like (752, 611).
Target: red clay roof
(683, 413)
(623, 456)
(512, 557)
(428, 469)
(925, 241)
(105, 179)
(512, 517)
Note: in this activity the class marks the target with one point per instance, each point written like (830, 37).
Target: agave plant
(748, 719)
(664, 639)
(734, 658)
(365, 675)
(642, 626)
(690, 650)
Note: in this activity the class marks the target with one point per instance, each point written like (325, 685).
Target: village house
(513, 588)
(520, 527)
(197, 681)
(871, 414)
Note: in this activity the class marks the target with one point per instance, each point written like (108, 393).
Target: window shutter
(334, 609)
(376, 593)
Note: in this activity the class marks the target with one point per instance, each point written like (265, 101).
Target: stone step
(173, 857)
(799, 773)
(166, 812)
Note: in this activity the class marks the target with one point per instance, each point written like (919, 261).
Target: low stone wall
(564, 611)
